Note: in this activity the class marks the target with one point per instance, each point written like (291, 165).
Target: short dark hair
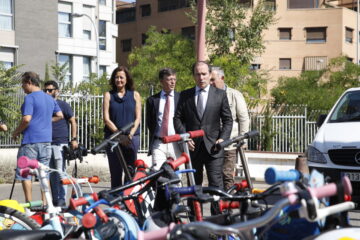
(31, 77)
(51, 82)
(166, 72)
(200, 62)
(129, 81)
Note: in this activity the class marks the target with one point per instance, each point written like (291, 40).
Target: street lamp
(96, 37)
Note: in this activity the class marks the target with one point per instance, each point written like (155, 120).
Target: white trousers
(161, 152)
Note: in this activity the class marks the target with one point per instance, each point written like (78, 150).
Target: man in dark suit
(160, 109)
(205, 107)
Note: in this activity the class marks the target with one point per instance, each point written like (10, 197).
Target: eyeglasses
(49, 90)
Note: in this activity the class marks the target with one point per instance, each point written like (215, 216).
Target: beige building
(307, 34)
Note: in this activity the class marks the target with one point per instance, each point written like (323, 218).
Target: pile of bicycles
(159, 204)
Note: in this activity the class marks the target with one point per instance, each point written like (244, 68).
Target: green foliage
(95, 86)
(233, 29)
(267, 134)
(59, 75)
(162, 50)
(318, 89)
(47, 73)
(9, 84)
(239, 76)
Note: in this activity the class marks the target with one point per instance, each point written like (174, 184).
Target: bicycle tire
(15, 220)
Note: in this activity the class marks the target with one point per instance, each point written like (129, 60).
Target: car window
(347, 109)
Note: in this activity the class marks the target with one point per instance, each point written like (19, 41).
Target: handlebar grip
(94, 179)
(97, 148)
(330, 189)
(74, 203)
(184, 158)
(158, 234)
(140, 163)
(197, 133)
(272, 175)
(24, 162)
(102, 215)
(89, 220)
(184, 190)
(171, 138)
(252, 134)
(228, 205)
(25, 172)
(223, 144)
(67, 181)
(242, 185)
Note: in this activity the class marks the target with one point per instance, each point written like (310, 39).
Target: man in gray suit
(205, 107)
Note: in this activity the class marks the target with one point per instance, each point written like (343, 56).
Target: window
(102, 70)
(65, 20)
(145, 10)
(102, 2)
(126, 15)
(303, 4)
(86, 68)
(168, 5)
(7, 57)
(66, 59)
(188, 32)
(87, 24)
(349, 59)
(285, 63)
(143, 38)
(285, 33)
(245, 3)
(102, 35)
(270, 5)
(6, 15)
(315, 63)
(255, 66)
(126, 45)
(316, 35)
(349, 35)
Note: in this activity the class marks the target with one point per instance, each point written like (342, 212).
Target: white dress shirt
(171, 130)
(204, 93)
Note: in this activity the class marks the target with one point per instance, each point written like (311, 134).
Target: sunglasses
(49, 90)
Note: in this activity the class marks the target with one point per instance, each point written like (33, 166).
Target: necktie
(165, 119)
(200, 103)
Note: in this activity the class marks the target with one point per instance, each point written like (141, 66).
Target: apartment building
(81, 33)
(307, 34)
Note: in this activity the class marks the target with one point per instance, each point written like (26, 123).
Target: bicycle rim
(15, 220)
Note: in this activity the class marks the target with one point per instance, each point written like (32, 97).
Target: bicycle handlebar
(272, 175)
(330, 189)
(93, 179)
(103, 144)
(157, 234)
(24, 162)
(183, 136)
(74, 203)
(226, 143)
(184, 158)
(25, 172)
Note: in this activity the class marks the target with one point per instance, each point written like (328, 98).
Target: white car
(335, 150)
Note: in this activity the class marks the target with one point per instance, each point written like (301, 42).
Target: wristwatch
(74, 139)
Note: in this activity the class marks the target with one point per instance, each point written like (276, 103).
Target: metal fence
(288, 132)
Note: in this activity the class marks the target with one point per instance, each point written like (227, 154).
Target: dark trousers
(130, 155)
(213, 167)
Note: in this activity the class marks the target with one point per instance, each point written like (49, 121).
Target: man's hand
(191, 145)
(219, 141)
(15, 135)
(74, 144)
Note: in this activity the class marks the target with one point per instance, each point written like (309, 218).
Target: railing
(288, 133)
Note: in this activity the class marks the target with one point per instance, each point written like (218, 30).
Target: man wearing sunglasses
(60, 138)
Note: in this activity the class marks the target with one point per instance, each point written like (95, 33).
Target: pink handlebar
(331, 189)
(25, 172)
(159, 234)
(24, 162)
(184, 158)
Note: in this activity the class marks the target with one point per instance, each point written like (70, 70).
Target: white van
(335, 150)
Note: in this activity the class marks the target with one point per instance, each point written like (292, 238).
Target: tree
(162, 50)
(233, 29)
(9, 85)
(318, 89)
(95, 85)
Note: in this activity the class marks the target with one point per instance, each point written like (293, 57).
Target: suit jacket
(216, 121)
(152, 111)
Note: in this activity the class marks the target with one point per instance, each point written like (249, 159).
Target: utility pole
(201, 6)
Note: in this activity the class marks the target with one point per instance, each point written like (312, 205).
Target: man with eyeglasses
(38, 111)
(60, 139)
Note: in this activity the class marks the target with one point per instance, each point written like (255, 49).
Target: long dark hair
(129, 81)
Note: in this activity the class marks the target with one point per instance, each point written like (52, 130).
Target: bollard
(301, 164)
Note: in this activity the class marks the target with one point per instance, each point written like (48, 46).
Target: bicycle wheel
(15, 220)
